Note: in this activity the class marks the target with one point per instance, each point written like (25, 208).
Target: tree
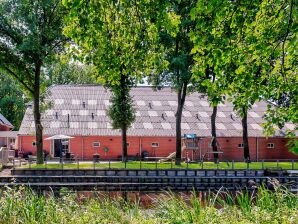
(226, 48)
(122, 112)
(274, 32)
(12, 105)
(30, 34)
(214, 89)
(178, 48)
(62, 72)
(120, 40)
(209, 69)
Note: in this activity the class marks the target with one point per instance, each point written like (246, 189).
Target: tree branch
(19, 79)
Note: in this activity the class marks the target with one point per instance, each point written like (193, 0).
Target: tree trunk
(245, 136)
(124, 144)
(36, 112)
(181, 100)
(124, 127)
(178, 134)
(213, 134)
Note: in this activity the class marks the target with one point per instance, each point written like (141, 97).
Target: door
(57, 147)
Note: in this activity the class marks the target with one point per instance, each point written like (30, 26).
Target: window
(33, 143)
(270, 146)
(127, 144)
(240, 145)
(154, 144)
(191, 145)
(65, 145)
(96, 144)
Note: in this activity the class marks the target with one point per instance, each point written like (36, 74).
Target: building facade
(7, 136)
(80, 111)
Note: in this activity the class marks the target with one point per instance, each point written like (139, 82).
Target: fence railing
(30, 163)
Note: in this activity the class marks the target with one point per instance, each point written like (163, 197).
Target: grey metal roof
(155, 114)
(4, 121)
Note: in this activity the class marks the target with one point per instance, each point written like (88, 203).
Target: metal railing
(141, 164)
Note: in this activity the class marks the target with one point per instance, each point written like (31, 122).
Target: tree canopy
(119, 39)
(12, 105)
(30, 35)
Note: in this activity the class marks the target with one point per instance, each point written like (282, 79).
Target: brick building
(80, 111)
(7, 136)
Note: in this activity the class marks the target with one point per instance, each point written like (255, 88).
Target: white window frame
(240, 146)
(97, 144)
(154, 144)
(270, 145)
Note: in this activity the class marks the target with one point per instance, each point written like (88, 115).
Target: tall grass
(26, 206)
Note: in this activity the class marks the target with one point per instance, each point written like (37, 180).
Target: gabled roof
(5, 122)
(86, 106)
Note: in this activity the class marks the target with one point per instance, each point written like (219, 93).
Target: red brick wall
(82, 147)
(25, 144)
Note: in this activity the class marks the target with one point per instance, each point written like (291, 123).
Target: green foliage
(121, 111)
(70, 73)
(12, 105)
(177, 46)
(121, 41)
(116, 37)
(30, 35)
(251, 46)
(31, 32)
(293, 145)
(26, 206)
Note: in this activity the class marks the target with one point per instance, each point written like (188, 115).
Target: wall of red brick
(24, 144)
(83, 147)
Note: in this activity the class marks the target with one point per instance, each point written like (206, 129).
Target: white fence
(6, 156)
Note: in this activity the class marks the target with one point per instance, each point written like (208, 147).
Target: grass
(26, 206)
(164, 165)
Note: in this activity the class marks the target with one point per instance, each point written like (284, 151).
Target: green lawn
(165, 165)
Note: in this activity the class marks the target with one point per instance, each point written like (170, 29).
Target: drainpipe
(257, 148)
